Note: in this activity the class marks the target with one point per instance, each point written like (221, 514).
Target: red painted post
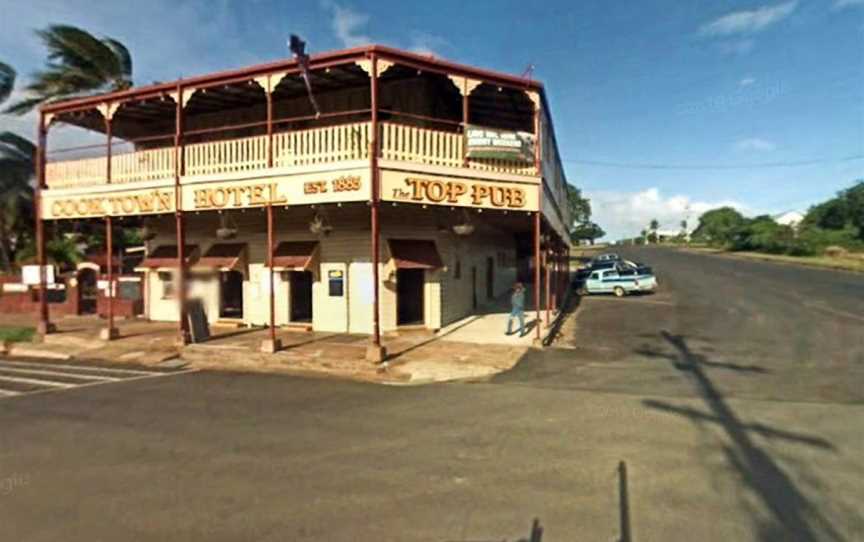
(537, 271)
(376, 352)
(183, 327)
(272, 344)
(553, 253)
(466, 114)
(109, 137)
(45, 327)
(269, 125)
(548, 285)
(110, 333)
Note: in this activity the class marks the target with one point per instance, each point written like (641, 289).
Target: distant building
(789, 218)
(665, 235)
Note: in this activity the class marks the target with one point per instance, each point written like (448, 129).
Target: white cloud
(428, 44)
(348, 24)
(736, 47)
(748, 21)
(842, 4)
(625, 214)
(746, 82)
(755, 144)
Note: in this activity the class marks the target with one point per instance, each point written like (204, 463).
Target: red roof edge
(329, 57)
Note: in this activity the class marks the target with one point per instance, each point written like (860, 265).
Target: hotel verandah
(370, 215)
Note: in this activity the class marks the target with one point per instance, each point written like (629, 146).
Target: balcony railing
(290, 149)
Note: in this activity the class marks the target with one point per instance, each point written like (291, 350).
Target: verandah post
(183, 327)
(272, 344)
(537, 272)
(376, 351)
(110, 332)
(45, 326)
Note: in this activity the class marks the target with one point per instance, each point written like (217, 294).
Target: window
(129, 290)
(168, 286)
(595, 275)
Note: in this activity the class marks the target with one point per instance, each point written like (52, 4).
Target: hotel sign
(305, 189)
(437, 190)
(126, 203)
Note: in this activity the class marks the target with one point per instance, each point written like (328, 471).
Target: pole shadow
(792, 515)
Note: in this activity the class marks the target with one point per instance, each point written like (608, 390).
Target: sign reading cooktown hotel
(437, 190)
(305, 189)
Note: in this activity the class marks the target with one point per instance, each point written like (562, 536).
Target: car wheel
(619, 291)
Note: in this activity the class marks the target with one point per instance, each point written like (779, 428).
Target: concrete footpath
(473, 348)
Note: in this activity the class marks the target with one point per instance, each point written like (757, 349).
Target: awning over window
(414, 254)
(166, 256)
(224, 257)
(295, 255)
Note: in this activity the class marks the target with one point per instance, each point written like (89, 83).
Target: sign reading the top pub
(398, 186)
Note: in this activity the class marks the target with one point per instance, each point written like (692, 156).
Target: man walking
(517, 309)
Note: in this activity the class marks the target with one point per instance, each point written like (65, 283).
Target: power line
(763, 165)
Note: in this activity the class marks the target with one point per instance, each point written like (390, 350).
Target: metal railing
(322, 145)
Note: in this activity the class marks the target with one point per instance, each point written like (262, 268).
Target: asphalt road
(708, 391)
(762, 330)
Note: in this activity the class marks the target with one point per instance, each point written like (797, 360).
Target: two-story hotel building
(405, 192)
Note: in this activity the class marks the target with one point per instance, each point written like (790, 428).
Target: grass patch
(850, 262)
(16, 334)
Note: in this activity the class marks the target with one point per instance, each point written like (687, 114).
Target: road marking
(4, 369)
(38, 365)
(37, 382)
(49, 377)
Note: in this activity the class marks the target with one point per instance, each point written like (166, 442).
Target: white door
(360, 295)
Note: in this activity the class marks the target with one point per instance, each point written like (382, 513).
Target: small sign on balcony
(500, 144)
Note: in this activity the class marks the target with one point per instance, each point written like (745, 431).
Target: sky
(662, 109)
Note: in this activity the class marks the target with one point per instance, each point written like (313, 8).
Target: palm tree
(7, 80)
(17, 161)
(78, 64)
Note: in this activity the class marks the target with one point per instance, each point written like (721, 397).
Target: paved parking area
(20, 376)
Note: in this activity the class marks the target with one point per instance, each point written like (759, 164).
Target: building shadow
(792, 515)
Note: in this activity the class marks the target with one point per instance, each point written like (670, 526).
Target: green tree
(17, 159)
(589, 231)
(854, 197)
(763, 234)
(719, 226)
(78, 64)
(579, 206)
(829, 215)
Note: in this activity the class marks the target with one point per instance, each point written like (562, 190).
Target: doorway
(88, 292)
(409, 296)
(301, 296)
(231, 294)
(473, 287)
(490, 277)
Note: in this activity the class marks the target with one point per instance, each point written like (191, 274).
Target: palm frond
(124, 79)
(78, 64)
(7, 80)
